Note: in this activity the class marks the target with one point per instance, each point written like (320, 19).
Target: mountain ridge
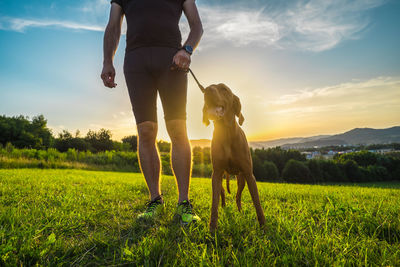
(355, 136)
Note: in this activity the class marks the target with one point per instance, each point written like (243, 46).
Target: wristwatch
(188, 49)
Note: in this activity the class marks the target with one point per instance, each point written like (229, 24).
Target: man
(155, 61)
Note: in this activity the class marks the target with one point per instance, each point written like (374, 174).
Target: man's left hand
(182, 60)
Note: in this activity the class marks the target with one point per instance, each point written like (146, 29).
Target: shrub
(166, 164)
(296, 172)
(316, 172)
(270, 171)
(164, 146)
(28, 153)
(396, 174)
(131, 141)
(353, 171)
(278, 156)
(9, 147)
(201, 155)
(258, 169)
(72, 154)
(202, 170)
(332, 172)
(378, 173)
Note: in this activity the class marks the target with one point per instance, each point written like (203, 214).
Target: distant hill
(284, 141)
(201, 143)
(357, 136)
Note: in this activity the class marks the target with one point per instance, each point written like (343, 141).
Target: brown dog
(230, 152)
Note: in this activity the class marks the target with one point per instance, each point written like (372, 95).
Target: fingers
(108, 79)
(110, 82)
(181, 63)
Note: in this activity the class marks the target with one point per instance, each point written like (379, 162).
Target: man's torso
(152, 22)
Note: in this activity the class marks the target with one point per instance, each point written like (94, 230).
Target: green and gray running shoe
(184, 212)
(153, 208)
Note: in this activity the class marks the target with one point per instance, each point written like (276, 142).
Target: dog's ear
(237, 109)
(206, 121)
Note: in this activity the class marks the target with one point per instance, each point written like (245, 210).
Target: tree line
(22, 132)
(276, 164)
(21, 137)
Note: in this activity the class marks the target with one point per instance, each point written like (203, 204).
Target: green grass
(76, 217)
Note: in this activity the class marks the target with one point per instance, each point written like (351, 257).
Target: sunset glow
(300, 69)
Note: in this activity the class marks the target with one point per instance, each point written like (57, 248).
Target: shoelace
(187, 207)
(151, 205)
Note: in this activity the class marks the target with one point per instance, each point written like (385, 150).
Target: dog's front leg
(251, 182)
(216, 191)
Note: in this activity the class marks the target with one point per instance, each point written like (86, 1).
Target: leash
(197, 81)
(173, 67)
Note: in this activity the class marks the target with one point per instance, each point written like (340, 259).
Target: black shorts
(147, 70)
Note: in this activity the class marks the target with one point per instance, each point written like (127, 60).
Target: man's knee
(177, 131)
(147, 132)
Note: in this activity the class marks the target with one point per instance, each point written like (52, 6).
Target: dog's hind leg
(222, 197)
(227, 176)
(251, 182)
(216, 191)
(241, 183)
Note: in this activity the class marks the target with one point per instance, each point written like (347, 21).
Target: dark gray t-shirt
(152, 22)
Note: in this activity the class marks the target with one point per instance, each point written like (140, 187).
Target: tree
(164, 146)
(258, 170)
(99, 141)
(363, 158)
(65, 141)
(201, 155)
(131, 140)
(378, 173)
(197, 155)
(296, 172)
(23, 133)
(353, 171)
(316, 172)
(278, 156)
(271, 171)
(332, 172)
(39, 129)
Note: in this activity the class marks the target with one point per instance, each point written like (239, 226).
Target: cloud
(239, 27)
(380, 94)
(320, 25)
(95, 7)
(315, 25)
(307, 25)
(20, 25)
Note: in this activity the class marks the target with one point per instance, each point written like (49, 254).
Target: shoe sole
(177, 218)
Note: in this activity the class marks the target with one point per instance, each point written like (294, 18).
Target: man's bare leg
(149, 159)
(181, 156)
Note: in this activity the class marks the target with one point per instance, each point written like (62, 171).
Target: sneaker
(184, 212)
(153, 208)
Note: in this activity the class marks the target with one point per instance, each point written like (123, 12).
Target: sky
(300, 68)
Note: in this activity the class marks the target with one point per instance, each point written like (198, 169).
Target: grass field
(75, 217)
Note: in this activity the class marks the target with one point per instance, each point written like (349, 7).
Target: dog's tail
(227, 182)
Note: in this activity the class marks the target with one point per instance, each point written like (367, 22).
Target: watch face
(189, 48)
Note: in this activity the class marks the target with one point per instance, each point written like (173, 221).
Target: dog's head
(221, 104)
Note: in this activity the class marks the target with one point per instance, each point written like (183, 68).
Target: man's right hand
(108, 75)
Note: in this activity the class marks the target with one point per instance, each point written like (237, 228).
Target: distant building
(312, 155)
(382, 150)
